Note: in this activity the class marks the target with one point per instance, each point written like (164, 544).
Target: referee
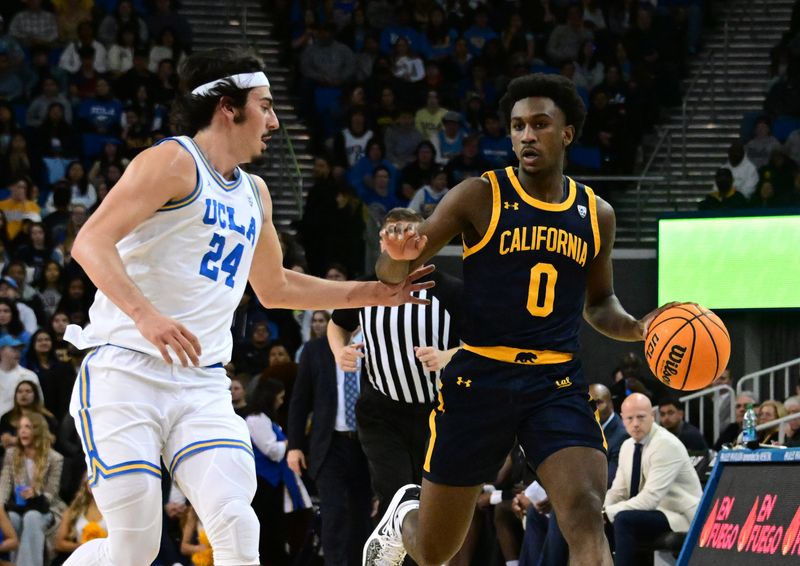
(403, 351)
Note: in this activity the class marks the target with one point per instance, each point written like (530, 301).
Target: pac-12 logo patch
(582, 210)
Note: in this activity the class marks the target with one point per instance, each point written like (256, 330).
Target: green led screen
(748, 262)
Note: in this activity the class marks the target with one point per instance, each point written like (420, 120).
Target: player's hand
(394, 295)
(544, 506)
(644, 322)
(27, 493)
(484, 501)
(8, 440)
(432, 359)
(348, 357)
(401, 241)
(296, 460)
(162, 331)
(520, 505)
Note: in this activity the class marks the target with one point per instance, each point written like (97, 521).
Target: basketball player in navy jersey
(537, 256)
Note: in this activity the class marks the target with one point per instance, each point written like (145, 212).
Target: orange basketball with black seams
(687, 347)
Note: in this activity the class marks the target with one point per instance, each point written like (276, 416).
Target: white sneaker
(384, 546)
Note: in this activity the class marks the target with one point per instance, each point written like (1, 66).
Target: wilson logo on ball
(670, 368)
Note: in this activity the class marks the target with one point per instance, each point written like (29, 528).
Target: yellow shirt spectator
(17, 207)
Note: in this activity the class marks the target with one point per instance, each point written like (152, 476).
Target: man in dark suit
(613, 428)
(335, 460)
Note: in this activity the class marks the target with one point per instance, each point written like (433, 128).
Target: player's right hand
(401, 241)
(348, 357)
(296, 460)
(162, 331)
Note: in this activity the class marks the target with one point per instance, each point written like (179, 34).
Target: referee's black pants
(393, 435)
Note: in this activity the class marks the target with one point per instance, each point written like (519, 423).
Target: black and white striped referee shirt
(391, 333)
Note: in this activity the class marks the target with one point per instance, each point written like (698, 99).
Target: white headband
(242, 80)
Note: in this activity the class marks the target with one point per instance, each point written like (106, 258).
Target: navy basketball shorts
(485, 404)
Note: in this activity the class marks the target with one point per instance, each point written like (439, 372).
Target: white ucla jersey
(191, 259)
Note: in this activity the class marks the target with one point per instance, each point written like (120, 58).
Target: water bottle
(749, 436)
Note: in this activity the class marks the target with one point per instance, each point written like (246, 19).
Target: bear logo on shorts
(525, 358)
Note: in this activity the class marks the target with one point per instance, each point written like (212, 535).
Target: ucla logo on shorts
(563, 383)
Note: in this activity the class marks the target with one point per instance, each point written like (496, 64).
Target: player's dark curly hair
(557, 88)
(195, 112)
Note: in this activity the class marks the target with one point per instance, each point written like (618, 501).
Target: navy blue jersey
(525, 281)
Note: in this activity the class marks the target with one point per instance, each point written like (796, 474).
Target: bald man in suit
(655, 490)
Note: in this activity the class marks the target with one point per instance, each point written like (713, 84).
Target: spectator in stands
(402, 139)
(11, 373)
(111, 156)
(566, 39)
(166, 47)
(478, 82)
(10, 45)
(792, 147)
(494, 144)
(166, 16)
(81, 522)
(440, 35)
(726, 196)
(408, 68)
(27, 399)
(745, 174)
(428, 119)
(136, 135)
(29, 486)
(37, 111)
(655, 489)
(378, 195)
(83, 84)
(401, 27)
(12, 88)
(457, 65)
(474, 113)
(768, 411)
(450, 140)
(428, 196)
(99, 118)
(765, 196)
(18, 205)
(280, 490)
(40, 69)
(351, 143)
(55, 378)
(670, 412)
(419, 171)
(82, 192)
(14, 286)
(18, 162)
(516, 38)
(69, 16)
(23, 320)
(56, 222)
(589, 69)
(760, 147)
(780, 171)
(729, 435)
(55, 138)
(792, 428)
(723, 407)
(252, 357)
(480, 32)
(122, 18)
(345, 243)
(138, 75)
(385, 112)
(34, 26)
(38, 250)
(120, 53)
(70, 59)
(359, 175)
(468, 163)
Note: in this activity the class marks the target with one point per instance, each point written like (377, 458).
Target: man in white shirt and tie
(655, 490)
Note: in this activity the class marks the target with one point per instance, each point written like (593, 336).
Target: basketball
(687, 347)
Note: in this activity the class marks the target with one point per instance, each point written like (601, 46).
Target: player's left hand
(402, 241)
(27, 493)
(644, 322)
(394, 295)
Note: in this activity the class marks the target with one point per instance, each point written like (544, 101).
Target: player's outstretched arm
(277, 287)
(407, 245)
(153, 178)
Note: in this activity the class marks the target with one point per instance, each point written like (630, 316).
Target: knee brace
(233, 531)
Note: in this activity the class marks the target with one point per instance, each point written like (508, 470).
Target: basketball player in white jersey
(170, 250)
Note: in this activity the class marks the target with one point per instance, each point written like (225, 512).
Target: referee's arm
(346, 354)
